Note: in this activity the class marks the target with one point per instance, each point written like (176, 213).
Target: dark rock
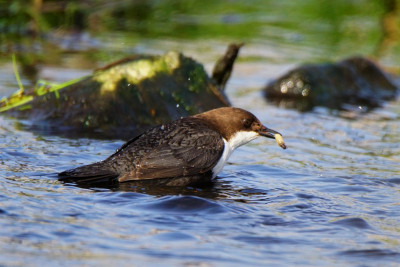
(121, 99)
(223, 67)
(354, 81)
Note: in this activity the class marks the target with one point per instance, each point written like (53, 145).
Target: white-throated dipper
(187, 151)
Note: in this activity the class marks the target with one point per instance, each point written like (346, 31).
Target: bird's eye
(247, 123)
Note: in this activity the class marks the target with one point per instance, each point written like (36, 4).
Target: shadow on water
(153, 188)
(217, 189)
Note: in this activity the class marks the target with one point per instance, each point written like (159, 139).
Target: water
(331, 199)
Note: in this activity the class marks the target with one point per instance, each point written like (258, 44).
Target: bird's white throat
(237, 140)
(242, 137)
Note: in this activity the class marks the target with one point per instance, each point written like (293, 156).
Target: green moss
(136, 71)
(197, 79)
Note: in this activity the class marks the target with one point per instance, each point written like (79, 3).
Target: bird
(187, 151)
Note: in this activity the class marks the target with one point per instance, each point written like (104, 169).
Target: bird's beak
(264, 131)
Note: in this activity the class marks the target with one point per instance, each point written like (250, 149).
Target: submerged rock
(121, 99)
(354, 81)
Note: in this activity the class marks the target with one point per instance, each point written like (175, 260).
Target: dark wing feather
(92, 173)
(185, 150)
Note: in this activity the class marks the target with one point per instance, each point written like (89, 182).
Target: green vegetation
(336, 24)
(44, 31)
(20, 98)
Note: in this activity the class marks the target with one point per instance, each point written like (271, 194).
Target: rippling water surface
(331, 199)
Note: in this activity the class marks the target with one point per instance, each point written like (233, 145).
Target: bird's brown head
(237, 125)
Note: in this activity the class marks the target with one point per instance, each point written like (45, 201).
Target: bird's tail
(92, 174)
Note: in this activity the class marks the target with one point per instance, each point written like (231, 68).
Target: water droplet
(305, 92)
(299, 84)
(284, 88)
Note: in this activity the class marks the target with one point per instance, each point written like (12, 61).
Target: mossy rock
(121, 99)
(355, 81)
